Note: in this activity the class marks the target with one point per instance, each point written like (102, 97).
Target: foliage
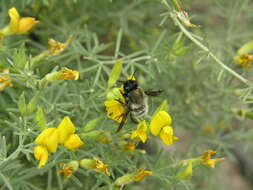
(206, 93)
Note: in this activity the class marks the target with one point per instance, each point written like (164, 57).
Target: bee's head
(130, 85)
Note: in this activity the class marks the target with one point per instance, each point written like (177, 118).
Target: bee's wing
(123, 120)
(153, 92)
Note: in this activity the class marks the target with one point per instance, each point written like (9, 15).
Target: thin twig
(203, 47)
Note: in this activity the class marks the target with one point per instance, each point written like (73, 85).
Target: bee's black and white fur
(137, 103)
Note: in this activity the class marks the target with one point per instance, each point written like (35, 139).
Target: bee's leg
(153, 92)
(120, 101)
(134, 119)
(124, 117)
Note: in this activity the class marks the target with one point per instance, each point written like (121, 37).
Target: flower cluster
(49, 139)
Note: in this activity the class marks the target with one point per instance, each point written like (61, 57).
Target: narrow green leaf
(22, 104)
(186, 173)
(164, 106)
(116, 71)
(33, 103)
(92, 134)
(6, 181)
(40, 118)
(91, 124)
(118, 42)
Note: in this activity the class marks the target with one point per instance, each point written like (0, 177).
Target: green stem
(216, 59)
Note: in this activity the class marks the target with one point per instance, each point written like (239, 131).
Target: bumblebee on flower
(132, 100)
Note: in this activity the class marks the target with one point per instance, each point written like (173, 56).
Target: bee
(136, 100)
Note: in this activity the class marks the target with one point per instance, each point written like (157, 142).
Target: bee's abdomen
(138, 110)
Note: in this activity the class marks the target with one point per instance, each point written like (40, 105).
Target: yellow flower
(115, 110)
(141, 174)
(41, 154)
(141, 131)
(5, 80)
(96, 164)
(166, 135)
(160, 125)
(104, 139)
(73, 142)
(129, 146)
(66, 170)
(68, 74)
(66, 134)
(63, 74)
(69, 168)
(66, 128)
(208, 154)
(244, 60)
(57, 47)
(132, 177)
(206, 159)
(100, 166)
(160, 120)
(20, 25)
(49, 139)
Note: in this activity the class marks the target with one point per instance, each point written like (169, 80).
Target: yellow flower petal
(68, 168)
(48, 138)
(73, 142)
(166, 135)
(65, 128)
(14, 16)
(41, 154)
(115, 110)
(57, 47)
(26, 24)
(208, 154)
(244, 60)
(5, 80)
(141, 131)
(160, 120)
(212, 162)
(100, 166)
(129, 146)
(141, 174)
(206, 158)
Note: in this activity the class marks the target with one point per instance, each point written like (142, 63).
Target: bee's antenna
(133, 75)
